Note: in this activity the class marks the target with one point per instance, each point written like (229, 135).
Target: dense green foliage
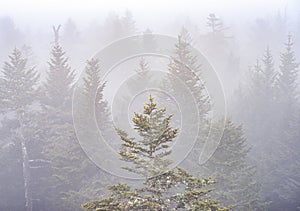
(162, 189)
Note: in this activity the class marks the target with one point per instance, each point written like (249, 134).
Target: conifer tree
(69, 167)
(128, 24)
(18, 90)
(163, 189)
(270, 124)
(60, 78)
(142, 77)
(141, 80)
(185, 65)
(93, 92)
(93, 179)
(216, 35)
(236, 179)
(269, 75)
(287, 105)
(214, 23)
(288, 95)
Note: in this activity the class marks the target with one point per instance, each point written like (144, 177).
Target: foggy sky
(41, 14)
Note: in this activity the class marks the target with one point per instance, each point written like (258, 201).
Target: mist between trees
(256, 166)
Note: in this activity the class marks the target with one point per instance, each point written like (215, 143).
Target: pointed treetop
(185, 35)
(214, 23)
(56, 34)
(289, 43)
(149, 107)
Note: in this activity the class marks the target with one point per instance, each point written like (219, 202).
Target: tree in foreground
(162, 189)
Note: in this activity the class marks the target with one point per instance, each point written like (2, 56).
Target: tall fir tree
(287, 127)
(69, 167)
(141, 80)
(288, 95)
(216, 37)
(148, 157)
(214, 23)
(185, 66)
(19, 87)
(270, 123)
(93, 91)
(60, 78)
(269, 75)
(93, 108)
(237, 183)
(128, 24)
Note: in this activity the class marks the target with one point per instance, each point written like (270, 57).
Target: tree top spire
(56, 34)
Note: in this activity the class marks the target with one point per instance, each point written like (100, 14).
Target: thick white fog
(98, 93)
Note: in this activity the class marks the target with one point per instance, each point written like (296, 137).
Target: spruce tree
(93, 92)
(185, 65)
(163, 189)
(214, 23)
(216, 36)
(236, 179)
(287, 105)
(128, 24)
(142, 78)
(270, 125)
(18, 91)
(288, 95)
(69, 167)
(60, 78)
(269, 75)
(93, 108)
